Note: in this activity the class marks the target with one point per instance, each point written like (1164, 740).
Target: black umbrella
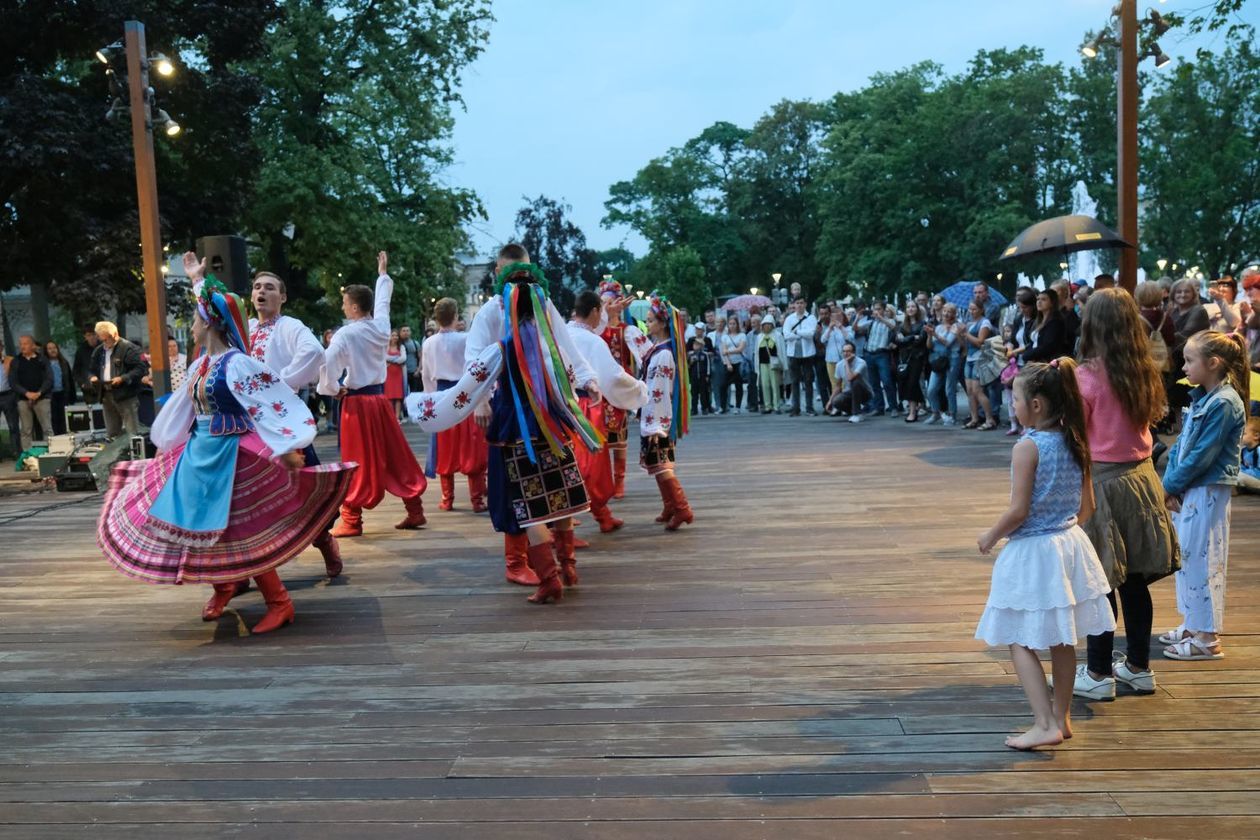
(1063, 235)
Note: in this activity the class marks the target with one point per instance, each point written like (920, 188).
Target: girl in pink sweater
(1131, 530)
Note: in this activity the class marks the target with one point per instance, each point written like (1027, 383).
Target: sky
(571, 96)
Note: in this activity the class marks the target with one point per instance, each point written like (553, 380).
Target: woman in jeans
(731, 349)
(944, 344)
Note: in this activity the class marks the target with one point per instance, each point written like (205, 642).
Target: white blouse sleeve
(442, 410)
(485, 329)
(308, 358)
(618, 387)
(335, 364)
(574, 360)
(658, 412)
(638, 344)
(281, 419)
(174, 421)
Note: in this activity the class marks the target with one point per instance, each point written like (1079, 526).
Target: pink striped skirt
(275, 514)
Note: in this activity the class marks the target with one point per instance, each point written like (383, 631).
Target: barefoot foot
(1035, 737)
(1065, 729)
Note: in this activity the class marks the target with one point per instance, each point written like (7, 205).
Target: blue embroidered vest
(212, 394)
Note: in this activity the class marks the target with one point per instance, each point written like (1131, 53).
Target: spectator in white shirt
(798, 336)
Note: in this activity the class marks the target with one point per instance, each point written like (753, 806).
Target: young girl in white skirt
(1048, 587)
(1200, 477)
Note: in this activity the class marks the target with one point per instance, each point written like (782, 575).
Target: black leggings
(1135, 600)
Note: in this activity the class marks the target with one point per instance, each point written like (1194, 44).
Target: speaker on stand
(225, 259)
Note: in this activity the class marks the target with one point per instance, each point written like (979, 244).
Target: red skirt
(596, 467)
(372, 438)
(394, 382)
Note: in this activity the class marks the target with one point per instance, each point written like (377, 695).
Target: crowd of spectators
(864, 359)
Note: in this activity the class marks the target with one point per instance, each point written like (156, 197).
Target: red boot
(607, 522)
(542, 560)
(566, 557)
(477, 492)
(415, 514)
(279, 607)
(619, 472)
(667, 497)
(223, 592)
(682, 510)
(516, 553)
(448, 492)
(327, 545)
(350, 524)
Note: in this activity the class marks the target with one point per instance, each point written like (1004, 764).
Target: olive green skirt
(1131, 529)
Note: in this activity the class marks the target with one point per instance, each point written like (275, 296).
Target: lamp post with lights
(1125, 40)
(140, 99)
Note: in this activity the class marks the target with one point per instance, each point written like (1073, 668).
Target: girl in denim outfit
(1201, 474)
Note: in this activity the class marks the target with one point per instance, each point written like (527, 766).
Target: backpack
(1159, 347)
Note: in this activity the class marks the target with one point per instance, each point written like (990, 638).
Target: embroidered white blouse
(657, 414)
(288, 347)
(281, 419)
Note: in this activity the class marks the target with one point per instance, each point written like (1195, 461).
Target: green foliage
(67, 183)
(921, 178)
(558, 247)
(682, 279)
(1200, 167)
(354, 130)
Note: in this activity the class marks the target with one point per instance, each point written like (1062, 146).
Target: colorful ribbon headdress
(223, 311)
(537, 376)
(611, 288)
(664, 311)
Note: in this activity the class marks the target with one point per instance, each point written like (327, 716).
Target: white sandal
(1174, 636)
(1191, 649)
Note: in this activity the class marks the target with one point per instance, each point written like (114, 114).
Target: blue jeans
(994, 390)
(943, 387)
(718, 380)
(883, 385)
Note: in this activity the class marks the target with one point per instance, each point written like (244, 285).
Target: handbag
(939, 362)
(1010, 372)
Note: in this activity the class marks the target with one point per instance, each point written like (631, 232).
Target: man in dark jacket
(83, 364)
(31, 378)
(118, 368)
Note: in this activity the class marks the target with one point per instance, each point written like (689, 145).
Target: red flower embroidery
(657, 393)
(648, 419)
(428, 412)
(461, 399)
(286, 431)
(478, 371)
(310, 421)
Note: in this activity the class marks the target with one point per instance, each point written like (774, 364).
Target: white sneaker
(1141, 682)
(1092, 689)
(932, 420)
(948, 421)
(856, 418)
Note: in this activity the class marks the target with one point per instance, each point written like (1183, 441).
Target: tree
(354, 130)
(683, 280)
(67, 185)
(558, 247)
(1200, 168)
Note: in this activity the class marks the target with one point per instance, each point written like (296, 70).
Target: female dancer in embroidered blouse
(664, 419)
(628, 346)
(168, 520)
(533, 477)
(1123, 392)
(1048, 587)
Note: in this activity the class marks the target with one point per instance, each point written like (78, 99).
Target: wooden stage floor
(797, 664)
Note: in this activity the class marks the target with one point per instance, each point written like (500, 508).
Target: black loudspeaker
(225, 259)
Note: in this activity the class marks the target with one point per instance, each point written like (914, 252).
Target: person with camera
(853, 385)
(117, 370)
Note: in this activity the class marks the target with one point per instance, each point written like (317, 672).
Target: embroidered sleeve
(174, 421)
(441, 410)
(618, 387)
(308, 357)
(281, 419)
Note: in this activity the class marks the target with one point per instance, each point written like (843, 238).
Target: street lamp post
(1127, 143)
(146, 194)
